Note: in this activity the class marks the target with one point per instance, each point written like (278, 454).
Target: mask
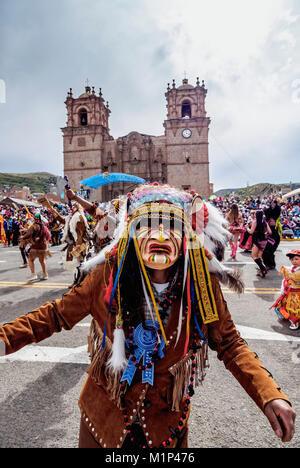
(159, 242)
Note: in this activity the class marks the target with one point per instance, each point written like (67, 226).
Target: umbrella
(110, 178)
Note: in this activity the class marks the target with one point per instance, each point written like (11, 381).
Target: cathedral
(179, 157)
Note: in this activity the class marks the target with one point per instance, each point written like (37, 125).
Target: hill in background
(38, 182)
(253, 191)
(225, 192)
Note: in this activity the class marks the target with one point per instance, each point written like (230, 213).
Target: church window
(186, 112)
(83, 118)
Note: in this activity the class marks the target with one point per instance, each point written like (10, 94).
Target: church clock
(186, 133)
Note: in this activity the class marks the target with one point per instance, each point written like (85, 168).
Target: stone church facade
(179, 157)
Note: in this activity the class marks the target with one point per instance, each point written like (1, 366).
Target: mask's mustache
(160, 248)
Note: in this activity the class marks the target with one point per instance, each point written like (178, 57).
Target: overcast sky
(247, 53)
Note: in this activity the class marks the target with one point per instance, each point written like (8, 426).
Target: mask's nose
(161, 233)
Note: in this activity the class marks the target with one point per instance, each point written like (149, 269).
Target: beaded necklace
(170, 295)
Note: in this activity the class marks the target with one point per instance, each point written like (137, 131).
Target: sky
(246, 52)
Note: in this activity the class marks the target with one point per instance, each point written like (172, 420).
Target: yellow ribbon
(209, 312)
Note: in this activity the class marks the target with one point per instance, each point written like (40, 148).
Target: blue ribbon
(145, 342)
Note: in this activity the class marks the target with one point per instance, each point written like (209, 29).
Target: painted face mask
(159, 240)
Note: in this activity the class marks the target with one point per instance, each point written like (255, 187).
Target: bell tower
(84, 136)
(186, 132)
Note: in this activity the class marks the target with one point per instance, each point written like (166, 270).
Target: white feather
(117, 361)
(99, 259)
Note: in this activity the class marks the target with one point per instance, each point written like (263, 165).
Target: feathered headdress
(214, 234)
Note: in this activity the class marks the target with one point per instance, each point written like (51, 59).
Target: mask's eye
(143, 223)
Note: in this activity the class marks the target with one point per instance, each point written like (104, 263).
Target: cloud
(247, 54)
(245, 51)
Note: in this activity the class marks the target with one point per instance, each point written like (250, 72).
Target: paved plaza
(40, 384)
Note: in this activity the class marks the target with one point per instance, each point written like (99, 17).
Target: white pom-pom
(117, 361)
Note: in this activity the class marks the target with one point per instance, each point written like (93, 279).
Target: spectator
(259, 231)
(272, 214)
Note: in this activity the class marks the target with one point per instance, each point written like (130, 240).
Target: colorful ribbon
(145, 342)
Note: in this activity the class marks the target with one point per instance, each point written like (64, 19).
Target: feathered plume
(117, 361)
(100, 258)
(228, 277)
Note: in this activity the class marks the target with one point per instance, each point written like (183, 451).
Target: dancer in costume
(156, 302)
(246, 238)
(236, 227)
(38, 236)
(259, 230)
(55, 229)
(105, 221)
(288, 304)
(272, 213)
(25, 224)
(75, 234)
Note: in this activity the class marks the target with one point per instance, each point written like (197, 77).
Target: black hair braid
(131, 289)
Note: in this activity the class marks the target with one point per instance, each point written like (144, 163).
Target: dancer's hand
(70, 194)
(282, 419)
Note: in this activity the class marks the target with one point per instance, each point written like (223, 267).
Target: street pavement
(41, 383)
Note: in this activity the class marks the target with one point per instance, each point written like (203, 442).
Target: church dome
(87, 93)
(185, 85)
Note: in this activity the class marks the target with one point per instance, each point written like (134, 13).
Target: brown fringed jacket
(160, 406)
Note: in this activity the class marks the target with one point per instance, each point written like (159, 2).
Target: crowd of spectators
(289, 217)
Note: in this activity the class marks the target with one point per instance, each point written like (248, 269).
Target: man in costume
(105, 222)
(75, 234)
(157, 305)
(38, 236)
